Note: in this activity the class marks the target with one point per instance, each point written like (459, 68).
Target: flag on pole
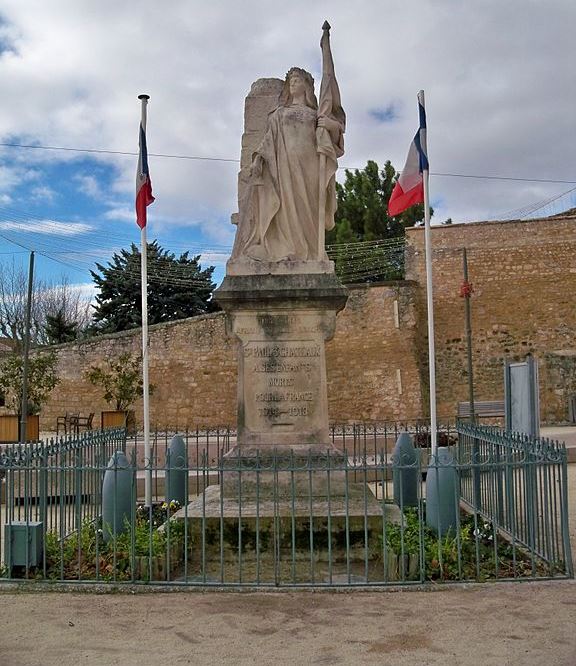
(143, 183)
(409, 188)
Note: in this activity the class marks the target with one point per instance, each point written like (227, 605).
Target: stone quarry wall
(524, 278)
(372, 373)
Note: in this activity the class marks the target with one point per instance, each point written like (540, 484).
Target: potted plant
(121, 379)
(42, 378)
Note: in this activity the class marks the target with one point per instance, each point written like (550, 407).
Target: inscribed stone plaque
(282, 379)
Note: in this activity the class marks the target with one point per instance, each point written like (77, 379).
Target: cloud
(214, 258)
(48, 227)
(120, 214)
(89, 186)
(43, 193)
(493, 105)
(13, 176)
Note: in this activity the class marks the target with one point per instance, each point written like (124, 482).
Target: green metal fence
(520, 484)
(57, 482)
(341, 519)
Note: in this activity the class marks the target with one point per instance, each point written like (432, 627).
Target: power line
(521, 180)
(98, 151)
(102, 151)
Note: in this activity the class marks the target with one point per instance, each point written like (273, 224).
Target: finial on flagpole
(143, 96)
(326, 26)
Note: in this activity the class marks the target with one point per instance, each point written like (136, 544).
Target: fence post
(441, 508)
(405, 469)
(476, 474)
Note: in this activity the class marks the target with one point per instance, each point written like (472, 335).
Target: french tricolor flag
(409, 188)
(143, 183)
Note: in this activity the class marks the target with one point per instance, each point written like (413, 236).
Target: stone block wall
(372, 373)
(192, 366)
(524, 279)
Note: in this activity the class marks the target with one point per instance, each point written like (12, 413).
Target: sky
(500, 96)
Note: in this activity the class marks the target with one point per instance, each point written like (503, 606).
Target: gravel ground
(504, 624)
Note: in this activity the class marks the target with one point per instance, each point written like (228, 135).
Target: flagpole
(146, 393)
(429, 302)
(322, 171)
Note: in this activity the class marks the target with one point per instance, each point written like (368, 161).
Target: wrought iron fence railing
(73, 510)
(520, 484)
(56, 482)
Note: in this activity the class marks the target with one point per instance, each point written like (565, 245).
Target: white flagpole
(146, 394)
(429, 300)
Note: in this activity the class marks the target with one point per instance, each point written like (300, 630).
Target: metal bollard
(405, 470)
(176, 471)
(117, 496)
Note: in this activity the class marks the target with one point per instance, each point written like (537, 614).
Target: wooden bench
(482, 408)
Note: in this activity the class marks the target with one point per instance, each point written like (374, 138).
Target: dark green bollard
(117, 496)
(441, 493)
(405, 469)
(176, 471)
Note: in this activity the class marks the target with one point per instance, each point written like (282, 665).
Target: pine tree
(58, 330)
(362, 216)
(177, 288)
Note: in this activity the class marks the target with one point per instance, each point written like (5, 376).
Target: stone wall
(524, 278)
(192, 367)
(372, 373)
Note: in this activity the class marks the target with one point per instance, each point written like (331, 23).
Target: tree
(49, 298)
(58, 330)
(42, 378)
(121, 379)
(362, 217)
(177, 288)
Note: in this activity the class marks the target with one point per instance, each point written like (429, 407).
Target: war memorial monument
(280, 293)
(285, 482)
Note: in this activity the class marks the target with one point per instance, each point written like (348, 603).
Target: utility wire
(237, 161)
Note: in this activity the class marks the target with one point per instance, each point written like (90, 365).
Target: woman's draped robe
(278, 218)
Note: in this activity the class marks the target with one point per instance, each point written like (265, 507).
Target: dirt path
(504, 624)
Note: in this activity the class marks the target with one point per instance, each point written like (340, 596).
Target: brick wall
(524, 277)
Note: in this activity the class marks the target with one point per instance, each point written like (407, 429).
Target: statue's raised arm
(290, 186)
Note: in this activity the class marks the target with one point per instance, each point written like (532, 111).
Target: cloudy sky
(498, 75)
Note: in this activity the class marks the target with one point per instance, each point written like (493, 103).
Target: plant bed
(477, 551)
(149, 551)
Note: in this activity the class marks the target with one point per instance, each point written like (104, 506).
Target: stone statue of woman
(290, 196)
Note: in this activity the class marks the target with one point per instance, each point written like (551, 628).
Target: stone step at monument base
(294, 539)
(249, 474)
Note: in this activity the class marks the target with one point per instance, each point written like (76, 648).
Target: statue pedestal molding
(281, 323)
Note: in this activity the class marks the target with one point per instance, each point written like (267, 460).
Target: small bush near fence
(474, 552)
(142, 553)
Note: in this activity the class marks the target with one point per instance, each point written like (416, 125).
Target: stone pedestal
(281, 322)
